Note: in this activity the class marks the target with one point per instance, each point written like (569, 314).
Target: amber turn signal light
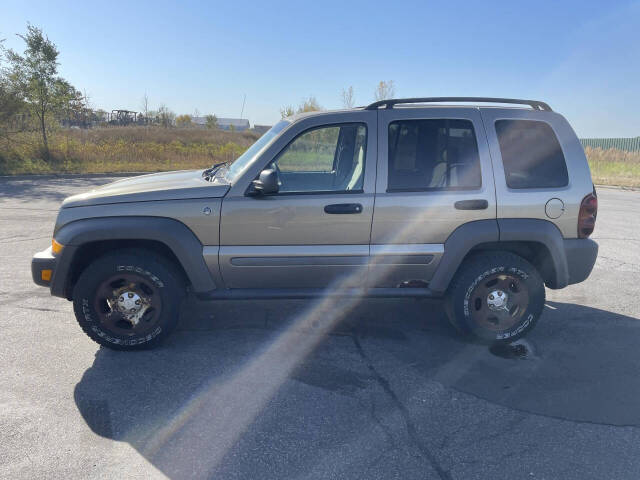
(56, 247)
(46, 275)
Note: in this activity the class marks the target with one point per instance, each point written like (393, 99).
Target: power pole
(243, 100)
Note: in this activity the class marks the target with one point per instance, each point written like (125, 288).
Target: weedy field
(614, 167)
(121, 149)
(152, 149)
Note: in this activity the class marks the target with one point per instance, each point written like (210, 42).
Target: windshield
(243, 160)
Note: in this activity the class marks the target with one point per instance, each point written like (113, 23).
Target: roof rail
(535, 104)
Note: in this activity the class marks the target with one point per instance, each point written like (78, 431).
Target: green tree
(309, 105)
(165, 116)
(34, 75)
(71, 104)
(183, 120)
(211, 121)
(10, 101)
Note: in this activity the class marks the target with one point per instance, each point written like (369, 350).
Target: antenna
(243, 100)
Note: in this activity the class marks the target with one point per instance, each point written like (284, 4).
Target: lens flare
(201, 433)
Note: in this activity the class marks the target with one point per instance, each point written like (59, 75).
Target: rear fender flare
(473, 234)
(540, 231)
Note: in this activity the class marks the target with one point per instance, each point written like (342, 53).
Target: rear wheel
(128, 300)
(497, 297)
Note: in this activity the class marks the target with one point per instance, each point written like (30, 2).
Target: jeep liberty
(482, 206)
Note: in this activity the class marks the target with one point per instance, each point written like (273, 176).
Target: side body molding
(172, 233)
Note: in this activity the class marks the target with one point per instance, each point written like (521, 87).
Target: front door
(315, 232)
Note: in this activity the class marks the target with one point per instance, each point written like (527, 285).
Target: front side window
(433, 154)
(325, 159)
(531, 155)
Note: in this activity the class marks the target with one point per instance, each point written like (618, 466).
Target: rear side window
(434, 154)
(531, 155)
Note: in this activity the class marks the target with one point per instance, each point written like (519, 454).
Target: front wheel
(496, 296)
(128, 300)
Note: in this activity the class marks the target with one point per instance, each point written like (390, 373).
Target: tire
(497, 297)
(119, 283)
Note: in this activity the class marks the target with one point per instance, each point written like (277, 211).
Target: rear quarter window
(531, 154)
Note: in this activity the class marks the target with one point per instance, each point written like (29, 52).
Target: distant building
(199, 121)
(261, 128)
(239, 124)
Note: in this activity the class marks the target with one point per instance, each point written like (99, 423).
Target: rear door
(434, 174)
(315, 232)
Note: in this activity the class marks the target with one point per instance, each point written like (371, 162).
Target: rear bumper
(581, 255)
(43, 261)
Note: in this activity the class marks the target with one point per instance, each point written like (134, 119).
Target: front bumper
(43, 261)
(60, 266)
(581, 255)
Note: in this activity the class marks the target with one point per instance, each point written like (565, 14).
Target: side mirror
(266, 184)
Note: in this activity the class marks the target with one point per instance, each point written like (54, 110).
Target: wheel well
(90, 251)
(535, 253)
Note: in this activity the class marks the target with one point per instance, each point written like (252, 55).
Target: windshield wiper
(209, 172)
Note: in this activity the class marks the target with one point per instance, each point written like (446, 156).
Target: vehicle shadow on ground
(581, 365)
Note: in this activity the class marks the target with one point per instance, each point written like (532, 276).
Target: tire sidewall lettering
(141, 271)
(128, 342)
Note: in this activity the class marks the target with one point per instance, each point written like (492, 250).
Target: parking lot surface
(316, 389)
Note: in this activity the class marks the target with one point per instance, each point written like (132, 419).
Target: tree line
(384, 90)
(35, 98)
(32, 94)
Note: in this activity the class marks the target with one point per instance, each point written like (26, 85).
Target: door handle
(471, 205)
(343, 208)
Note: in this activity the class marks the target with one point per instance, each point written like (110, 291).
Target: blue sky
(582, 57)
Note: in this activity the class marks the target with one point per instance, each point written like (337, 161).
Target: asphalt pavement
(272, 389)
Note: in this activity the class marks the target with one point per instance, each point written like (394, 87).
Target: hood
(184, 184)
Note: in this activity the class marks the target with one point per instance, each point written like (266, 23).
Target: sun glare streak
(204, 430)
(198, 436)
(223, 412)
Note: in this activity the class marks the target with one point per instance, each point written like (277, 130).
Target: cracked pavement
(390, 392)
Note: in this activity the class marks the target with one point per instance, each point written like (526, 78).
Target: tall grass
(122, 149)
(150, 149)
(614, 167)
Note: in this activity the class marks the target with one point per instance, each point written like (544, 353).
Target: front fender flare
(172, 233)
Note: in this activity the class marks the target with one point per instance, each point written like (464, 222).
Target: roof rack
(535, 104)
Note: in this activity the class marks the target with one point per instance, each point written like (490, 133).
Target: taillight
(587, 215)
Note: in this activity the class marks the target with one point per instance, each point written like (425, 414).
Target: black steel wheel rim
(499, 302)
(128, 289)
